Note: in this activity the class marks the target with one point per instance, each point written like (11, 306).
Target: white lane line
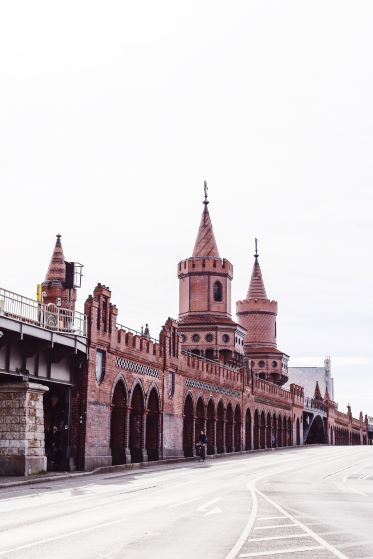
(246, 531)
(66, 535)
(205, 506)
(315, 536)
(270, 517)
(270, 538)
(337, 472)
(274, 526)
(367, 476)
(282, 551)
(359, 492)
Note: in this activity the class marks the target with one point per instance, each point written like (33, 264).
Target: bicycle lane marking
(304, 527)
(251, 486)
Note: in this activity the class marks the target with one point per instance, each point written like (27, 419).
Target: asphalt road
(292, 503)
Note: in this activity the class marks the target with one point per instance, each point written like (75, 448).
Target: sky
(112, 114)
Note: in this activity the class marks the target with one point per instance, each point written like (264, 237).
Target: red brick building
(131, 398)
(147, 399)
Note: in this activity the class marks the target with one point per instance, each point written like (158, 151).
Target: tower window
(218, 292)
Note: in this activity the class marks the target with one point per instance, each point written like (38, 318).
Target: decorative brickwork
(137, 367)
(192, 383)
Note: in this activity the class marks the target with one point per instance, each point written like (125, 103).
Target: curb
(129, 468)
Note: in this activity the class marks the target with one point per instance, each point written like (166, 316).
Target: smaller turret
(257, 314)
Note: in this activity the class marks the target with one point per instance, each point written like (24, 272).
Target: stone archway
(210, 428)
(248, 430)
(188, 442)
(316, 434)
(117, 424)
(220, 446)
(200, 419)
(269, 431)
(298, 431)
(237, 429)
(136, 438)
(256, 430)
(279, 431)
(290, 432)
(262, 430)
(274, 431)
(229, 429)
(152, 426)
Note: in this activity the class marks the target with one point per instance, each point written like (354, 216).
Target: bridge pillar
(22, 439)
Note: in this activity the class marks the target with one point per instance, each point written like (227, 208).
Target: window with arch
(218, 292)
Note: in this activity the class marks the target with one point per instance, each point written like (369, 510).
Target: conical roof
(317, 394)
(205, 243)
(256, 287)
(57, 270)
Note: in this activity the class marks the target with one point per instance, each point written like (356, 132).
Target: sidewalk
(15, 481)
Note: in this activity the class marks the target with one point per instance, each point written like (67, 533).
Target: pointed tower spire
(317, 394)
(205, 243)
(256, 287)
(56, 270)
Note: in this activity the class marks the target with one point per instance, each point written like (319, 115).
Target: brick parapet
(206, 265)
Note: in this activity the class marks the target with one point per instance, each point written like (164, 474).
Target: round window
(183, 338)
(195, 338)
(261, 364)
(209, 338)
(225, 338)
(274, 364)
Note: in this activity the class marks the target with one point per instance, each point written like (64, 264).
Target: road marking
(337, 472)
(321, 541)
(367, 476)
(181, 503)
(269, 538)
(246, 531)
(270, 517)
(282, 551)
(204, 508)
(215, 510)
(359, 492)
(275, 526)
(66, 535)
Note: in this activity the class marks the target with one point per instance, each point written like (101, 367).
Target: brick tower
(54, 286)
(258, 315)
(205, 322)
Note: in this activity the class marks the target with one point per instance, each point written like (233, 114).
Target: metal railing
(312, 403)
(47, 316)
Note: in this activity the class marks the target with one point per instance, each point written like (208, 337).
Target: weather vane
(206, 189)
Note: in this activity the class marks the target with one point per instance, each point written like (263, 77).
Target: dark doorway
(136, 425)
(188, 427)
(229, 429)
(57, 427)
(117, 429)
(152, 426)
(237, 429)
(248, 430)
(220, 429)
(316, 433)
(210, 428)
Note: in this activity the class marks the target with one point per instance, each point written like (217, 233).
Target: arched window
(218, 292)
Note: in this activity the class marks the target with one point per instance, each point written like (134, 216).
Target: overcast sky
(113, 113)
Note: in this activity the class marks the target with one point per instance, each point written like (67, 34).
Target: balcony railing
(47, 316)
(312, 403)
